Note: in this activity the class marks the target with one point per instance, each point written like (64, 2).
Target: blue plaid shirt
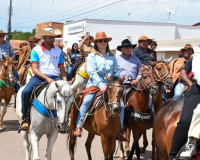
(6, 50)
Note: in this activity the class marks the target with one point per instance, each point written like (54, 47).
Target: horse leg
(127, 147)
(132, 152)
(3, 114)
(104, 143)
(111, 147)
(145, 142)
(26, 143)
(72, 142)
(35, 144)
(88, 144)
(137, 150)
(153, 146)
(51, 140)
(121, 150)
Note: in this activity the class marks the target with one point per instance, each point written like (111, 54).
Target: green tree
(19, 35)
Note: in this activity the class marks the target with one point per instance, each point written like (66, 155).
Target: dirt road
(11, 144)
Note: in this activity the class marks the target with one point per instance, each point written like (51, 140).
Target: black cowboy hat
(126, 43)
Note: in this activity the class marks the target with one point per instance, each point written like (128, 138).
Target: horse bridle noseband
(163, 76)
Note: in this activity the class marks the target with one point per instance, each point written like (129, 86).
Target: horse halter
(163, 76)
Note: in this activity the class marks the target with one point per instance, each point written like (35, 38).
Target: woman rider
(99, 63)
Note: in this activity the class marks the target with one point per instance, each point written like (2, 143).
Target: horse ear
(58, 86)
(13, 59)
(123, 78)
(4, 57)
(162, 59)
(152, 63)
(141, 70)
(108, 78)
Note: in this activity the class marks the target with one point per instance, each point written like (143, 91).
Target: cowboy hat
(3, 33)
(91, 38)
(126, 43)
(42, 33)
(187, 46)
(144, 38)
(101, 35)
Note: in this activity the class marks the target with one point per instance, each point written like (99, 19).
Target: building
(119, 30)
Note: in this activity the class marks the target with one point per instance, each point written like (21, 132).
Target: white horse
(57, 97)
(81, 79)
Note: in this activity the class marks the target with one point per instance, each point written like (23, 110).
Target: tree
(19, 35)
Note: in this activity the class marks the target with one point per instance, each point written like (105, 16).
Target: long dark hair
(72, 51)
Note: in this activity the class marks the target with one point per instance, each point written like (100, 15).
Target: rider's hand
(103, 88)
(49, 80)
(134, 82)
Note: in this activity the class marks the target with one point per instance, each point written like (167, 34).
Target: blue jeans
(178, 90)
(17, 86)
(69, 72)
(164, 93)
(84, 108)
(122, 113)
(26, 93)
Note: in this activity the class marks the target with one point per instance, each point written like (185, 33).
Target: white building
(161, 32)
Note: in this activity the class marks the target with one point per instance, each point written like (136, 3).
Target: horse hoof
(128, 152)
(142, 150)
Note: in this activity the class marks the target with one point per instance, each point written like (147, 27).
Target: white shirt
(196, 64)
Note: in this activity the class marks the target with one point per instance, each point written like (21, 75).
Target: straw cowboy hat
(144, 38)
(42, 33)
(101, 35)
(187, 46)
(91, 38)
(3, 33)
(126, 43)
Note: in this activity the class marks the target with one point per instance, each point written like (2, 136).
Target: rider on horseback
(128, 65)
(100, 63)
(192, 99)
(45, 60)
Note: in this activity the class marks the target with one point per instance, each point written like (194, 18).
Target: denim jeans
(69, 73)
(17, 86)
(26, 93)
(178, 90)
(84, 108)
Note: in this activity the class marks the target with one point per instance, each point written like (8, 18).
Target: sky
(27, 13)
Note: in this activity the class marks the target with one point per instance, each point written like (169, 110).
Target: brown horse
(104, 121)
(138, 106)
(165, 124)
(162, 77)
(7, 84)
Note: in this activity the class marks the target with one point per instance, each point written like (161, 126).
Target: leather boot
(24, 125)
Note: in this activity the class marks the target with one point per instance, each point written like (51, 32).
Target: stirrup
(78, 132)
(24, 125)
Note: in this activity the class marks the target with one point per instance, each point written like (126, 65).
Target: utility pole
(9, 22)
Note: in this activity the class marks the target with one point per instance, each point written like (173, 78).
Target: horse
(165, 124)
(104, 120)
(7, 84)
(56, 99)
(81, 79)
(137, 113)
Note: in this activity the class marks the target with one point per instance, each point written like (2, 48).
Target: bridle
(110, 104)
(54, 120)
(163, 76)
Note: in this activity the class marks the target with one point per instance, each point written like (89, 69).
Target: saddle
(127, 95)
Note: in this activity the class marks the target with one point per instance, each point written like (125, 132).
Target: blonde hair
(96, 50)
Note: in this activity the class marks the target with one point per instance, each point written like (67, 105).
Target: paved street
(11, 144)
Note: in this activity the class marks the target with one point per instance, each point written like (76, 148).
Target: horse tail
(71, 143)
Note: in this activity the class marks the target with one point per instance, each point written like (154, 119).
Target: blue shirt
(98, 65)
(129, 67)
(48, 60)
(6, 50)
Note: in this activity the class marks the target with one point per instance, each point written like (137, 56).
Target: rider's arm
(196, 66)
(61, 66)
(185, 78)
(11, 52)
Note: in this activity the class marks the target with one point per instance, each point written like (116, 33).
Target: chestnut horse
(162, 77)
(165, 124)
(138, 104)
(7, 84)
(104, 121)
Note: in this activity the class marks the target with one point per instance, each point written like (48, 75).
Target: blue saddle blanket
(41, 109)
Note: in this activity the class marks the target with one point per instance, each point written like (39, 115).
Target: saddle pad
(128, 94)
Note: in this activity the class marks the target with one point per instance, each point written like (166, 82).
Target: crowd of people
(49, 62)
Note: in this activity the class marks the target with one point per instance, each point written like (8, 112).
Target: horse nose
(63, 128)
(153, 89)
(116, 109)
(169, 83)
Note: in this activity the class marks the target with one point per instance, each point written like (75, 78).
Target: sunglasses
(102, 40)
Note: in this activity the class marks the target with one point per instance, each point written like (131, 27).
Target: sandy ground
(11, 143)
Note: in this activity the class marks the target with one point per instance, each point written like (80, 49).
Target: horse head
(161, 73)
(7, 70)
(115, 92)
(60, 98)
(147, 81)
